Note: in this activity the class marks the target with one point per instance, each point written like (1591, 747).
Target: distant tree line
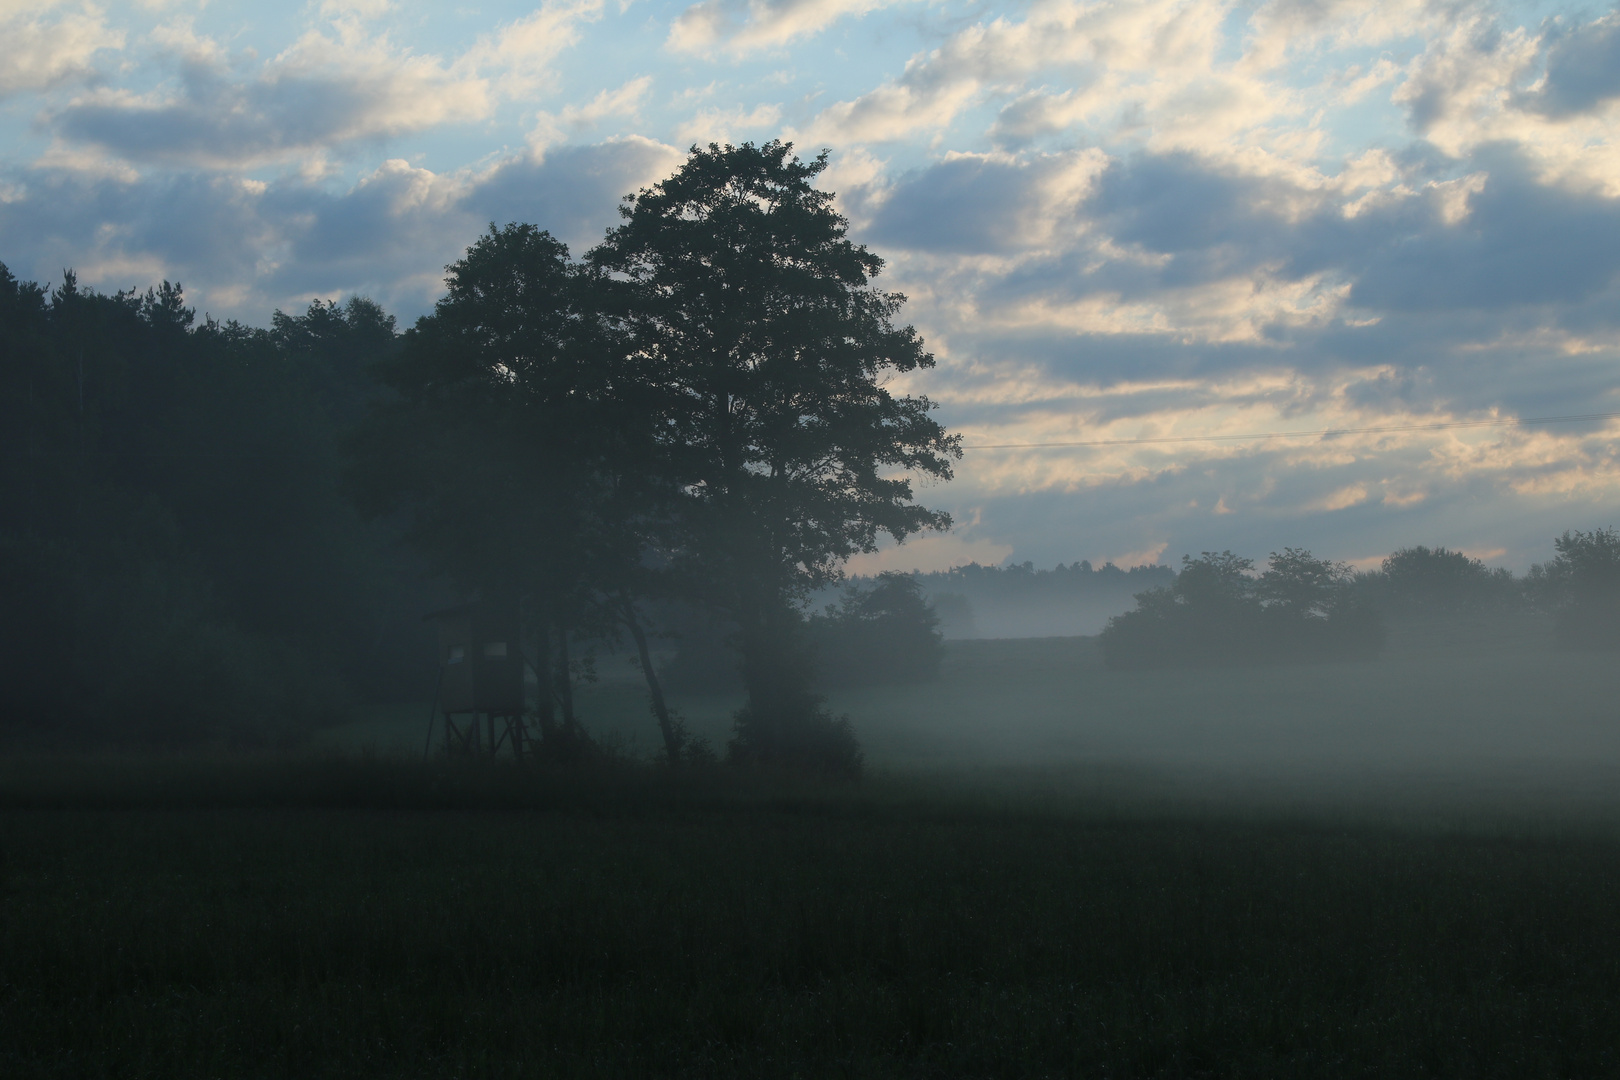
(1220, 610)
(1581, 587)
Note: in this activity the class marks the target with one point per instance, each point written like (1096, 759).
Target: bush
(784, 724)
(812, 741)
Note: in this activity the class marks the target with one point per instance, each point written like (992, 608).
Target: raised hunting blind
(480, 677)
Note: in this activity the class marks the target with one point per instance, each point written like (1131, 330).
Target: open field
(305, 919)
(1404, 868)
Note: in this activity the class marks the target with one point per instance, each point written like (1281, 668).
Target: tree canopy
(754, 314)
(1420, 580)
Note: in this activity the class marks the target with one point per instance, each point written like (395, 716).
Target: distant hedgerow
(1219, 612)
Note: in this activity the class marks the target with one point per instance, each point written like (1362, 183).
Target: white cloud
(519, 54)
(362, 9)
(1282, 29)
(1156, 63)
(336, 86)
(625, 101)
(321, 93)
(244, 247)
(42, 46)
(1148, 556)
(986, 203)
(1476, 85)
(742, 26)
(1583, 69)
(1342, 499)
(725, 125)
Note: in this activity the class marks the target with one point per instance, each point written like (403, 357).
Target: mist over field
(1462, 715)
(1019, 601)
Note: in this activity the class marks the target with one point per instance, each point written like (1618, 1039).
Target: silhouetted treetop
(1301, 584)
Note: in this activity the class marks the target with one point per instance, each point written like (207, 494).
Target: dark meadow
(487, 698)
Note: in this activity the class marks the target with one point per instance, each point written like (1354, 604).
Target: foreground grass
(355, 918)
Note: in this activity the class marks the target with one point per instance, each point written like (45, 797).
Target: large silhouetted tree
(744, 301)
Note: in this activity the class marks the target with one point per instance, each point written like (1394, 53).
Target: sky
(1114, 222)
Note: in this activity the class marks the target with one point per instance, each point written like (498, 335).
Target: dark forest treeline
(178, 558)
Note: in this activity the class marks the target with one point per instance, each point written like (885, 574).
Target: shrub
(784, 724)
(812, 741)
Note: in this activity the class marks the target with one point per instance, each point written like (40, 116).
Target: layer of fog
(1019, 601)
(1467, 710)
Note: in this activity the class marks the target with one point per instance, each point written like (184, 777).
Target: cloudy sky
(1116, 222)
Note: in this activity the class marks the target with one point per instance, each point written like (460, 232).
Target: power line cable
(1578, 418)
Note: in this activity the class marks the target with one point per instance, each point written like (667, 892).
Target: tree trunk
(655, 690)
(545, 706)
(565, 681)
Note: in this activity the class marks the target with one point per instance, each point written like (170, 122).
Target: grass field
(1405, 868)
